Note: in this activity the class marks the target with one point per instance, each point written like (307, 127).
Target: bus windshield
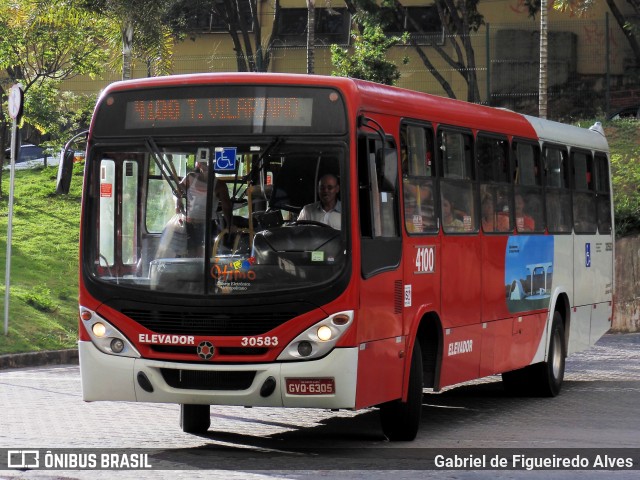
(213, 218)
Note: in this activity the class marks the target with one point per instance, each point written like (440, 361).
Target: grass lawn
(43, 309)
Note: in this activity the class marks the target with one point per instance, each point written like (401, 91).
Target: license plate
(311, 386)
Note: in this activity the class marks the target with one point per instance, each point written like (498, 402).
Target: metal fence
(587, 75)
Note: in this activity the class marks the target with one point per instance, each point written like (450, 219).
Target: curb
(34, 359)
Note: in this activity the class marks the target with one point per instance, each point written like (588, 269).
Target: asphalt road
(41, 409)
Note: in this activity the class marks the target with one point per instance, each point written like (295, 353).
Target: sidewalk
(32, 359)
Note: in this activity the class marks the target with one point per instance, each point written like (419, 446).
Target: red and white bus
(473, 241)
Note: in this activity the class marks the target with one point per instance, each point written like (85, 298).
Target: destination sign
(219, 111)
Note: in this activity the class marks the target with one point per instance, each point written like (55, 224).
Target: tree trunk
(311, 35)
(629, 33)
(127, 46)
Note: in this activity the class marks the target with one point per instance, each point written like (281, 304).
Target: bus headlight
(324, 333)
(105, 336)
(99, 329)
(319, 339)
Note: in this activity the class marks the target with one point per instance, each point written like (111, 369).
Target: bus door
(422, 247)
(461, 258)
(380, 362)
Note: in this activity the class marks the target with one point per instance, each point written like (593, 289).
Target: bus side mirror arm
(65, 167)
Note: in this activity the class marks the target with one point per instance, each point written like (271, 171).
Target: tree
(140, 28)
(368, 58)
(43, 42)
(241, 18)
(459, 18)
(630, 24)
(48, 40)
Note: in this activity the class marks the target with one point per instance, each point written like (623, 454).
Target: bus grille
(206, 380)
(220, 351)
(208, 323)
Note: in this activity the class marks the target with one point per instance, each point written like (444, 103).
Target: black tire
(551, 373)
(195, 418)
(542, 379)
(401, 420)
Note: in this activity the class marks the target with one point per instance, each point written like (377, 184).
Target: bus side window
(378, 205)
(386, 193)
(603, 193)
(364, 188)
(584, 196)
(492, 162)
(378, 188)
(418, 170)
(558, 194)
(456, 151)
(457, 197)
(528, 205)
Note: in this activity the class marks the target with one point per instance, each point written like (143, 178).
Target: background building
(591, 67)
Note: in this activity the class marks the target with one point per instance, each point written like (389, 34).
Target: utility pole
(16, 97)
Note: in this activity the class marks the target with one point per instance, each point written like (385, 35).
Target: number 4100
(425, 259)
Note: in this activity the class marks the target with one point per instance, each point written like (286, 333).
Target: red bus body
(453, 292)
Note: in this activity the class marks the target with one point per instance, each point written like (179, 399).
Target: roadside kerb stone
(32, 359)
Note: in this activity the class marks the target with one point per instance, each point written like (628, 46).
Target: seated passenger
(493, 221)
(451, 224)
(524, 222)
(328, 209)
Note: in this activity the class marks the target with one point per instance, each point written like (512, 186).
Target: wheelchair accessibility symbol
(225, 159)
(587, 254)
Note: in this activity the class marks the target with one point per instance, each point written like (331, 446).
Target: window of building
(331, 26)
(204, 19)
(423, 23)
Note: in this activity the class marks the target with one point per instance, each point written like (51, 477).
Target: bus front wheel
(401, 420)
(195, 418)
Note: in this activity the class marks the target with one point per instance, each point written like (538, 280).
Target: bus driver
(328, 209)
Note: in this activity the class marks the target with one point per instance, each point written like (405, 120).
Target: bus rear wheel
(195, 418)
(542, 379)
(401, 420)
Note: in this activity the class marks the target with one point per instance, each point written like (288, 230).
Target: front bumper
(111, 377)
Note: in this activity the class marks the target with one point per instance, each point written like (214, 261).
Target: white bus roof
(555, 132)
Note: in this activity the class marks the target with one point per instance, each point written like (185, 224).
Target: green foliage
(624, 141)
(49, 40)
(43, 308)
(40, 299)
(367, 58)
(58, 114)
(42, 44)
(152, 38)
